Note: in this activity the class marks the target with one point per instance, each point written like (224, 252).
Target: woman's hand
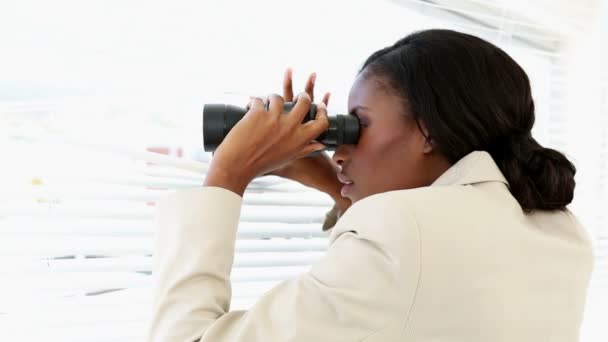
(319, 171)
(264, 140)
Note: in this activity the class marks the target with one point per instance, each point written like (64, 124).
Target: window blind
(82, 242)
(86, 156)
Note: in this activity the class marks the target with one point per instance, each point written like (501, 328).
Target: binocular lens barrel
(218, 120)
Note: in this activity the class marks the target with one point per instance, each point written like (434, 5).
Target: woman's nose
(342, 154)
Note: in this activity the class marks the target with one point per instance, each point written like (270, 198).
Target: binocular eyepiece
(218, 120)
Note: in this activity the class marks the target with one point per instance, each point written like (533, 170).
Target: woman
(458, 228)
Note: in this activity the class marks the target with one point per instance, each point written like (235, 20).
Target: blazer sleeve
(354, 291)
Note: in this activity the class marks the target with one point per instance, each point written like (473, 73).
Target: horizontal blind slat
(116, 227)
(25, 245)
(144, 263)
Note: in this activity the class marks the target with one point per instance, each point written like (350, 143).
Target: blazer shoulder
(411, 207)
(382, 220)
(407, 201)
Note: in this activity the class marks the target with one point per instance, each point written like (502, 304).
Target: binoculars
(218, 120)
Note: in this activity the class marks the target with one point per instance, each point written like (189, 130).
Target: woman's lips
(346, 188)
(348, 184)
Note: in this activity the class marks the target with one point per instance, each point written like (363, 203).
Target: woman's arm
(193, 258)
(356, 290)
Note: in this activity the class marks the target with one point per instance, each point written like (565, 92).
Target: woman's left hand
(264, 140)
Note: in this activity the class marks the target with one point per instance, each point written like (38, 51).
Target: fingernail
(313, 77)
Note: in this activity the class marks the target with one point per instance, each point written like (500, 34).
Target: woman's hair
(473, 97)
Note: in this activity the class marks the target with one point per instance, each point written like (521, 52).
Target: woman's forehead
(372, 91)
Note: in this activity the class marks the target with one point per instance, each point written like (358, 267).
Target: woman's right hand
(319, 171)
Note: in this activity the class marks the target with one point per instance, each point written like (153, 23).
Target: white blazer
(456, 261)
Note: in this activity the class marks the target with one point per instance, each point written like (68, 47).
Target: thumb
(310, 148)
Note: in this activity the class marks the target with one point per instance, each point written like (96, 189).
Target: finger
(326, 98)
(301, 108)
(257, 103)
(276, 104)
(310, 148)
(310, 85)
(313, 128)
(251, 98)
(288, 85)
(267, 103)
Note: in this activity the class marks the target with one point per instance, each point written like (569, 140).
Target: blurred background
(100, 115)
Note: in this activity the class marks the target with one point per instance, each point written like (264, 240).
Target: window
(100, 109)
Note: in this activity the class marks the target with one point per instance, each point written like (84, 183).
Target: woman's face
(392, 152)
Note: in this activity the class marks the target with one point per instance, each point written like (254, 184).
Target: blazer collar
(475, 167)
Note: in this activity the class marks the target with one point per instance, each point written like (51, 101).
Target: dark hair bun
(539, 178)
(553, 176)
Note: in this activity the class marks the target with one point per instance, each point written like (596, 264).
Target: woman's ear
(429, 144)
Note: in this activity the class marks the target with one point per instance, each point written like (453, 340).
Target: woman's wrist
(332, 217)
(342, 203)
(223, 178)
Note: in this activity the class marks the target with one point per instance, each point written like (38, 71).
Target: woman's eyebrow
(354, 110)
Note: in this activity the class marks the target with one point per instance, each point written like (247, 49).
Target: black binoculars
(218, 120)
